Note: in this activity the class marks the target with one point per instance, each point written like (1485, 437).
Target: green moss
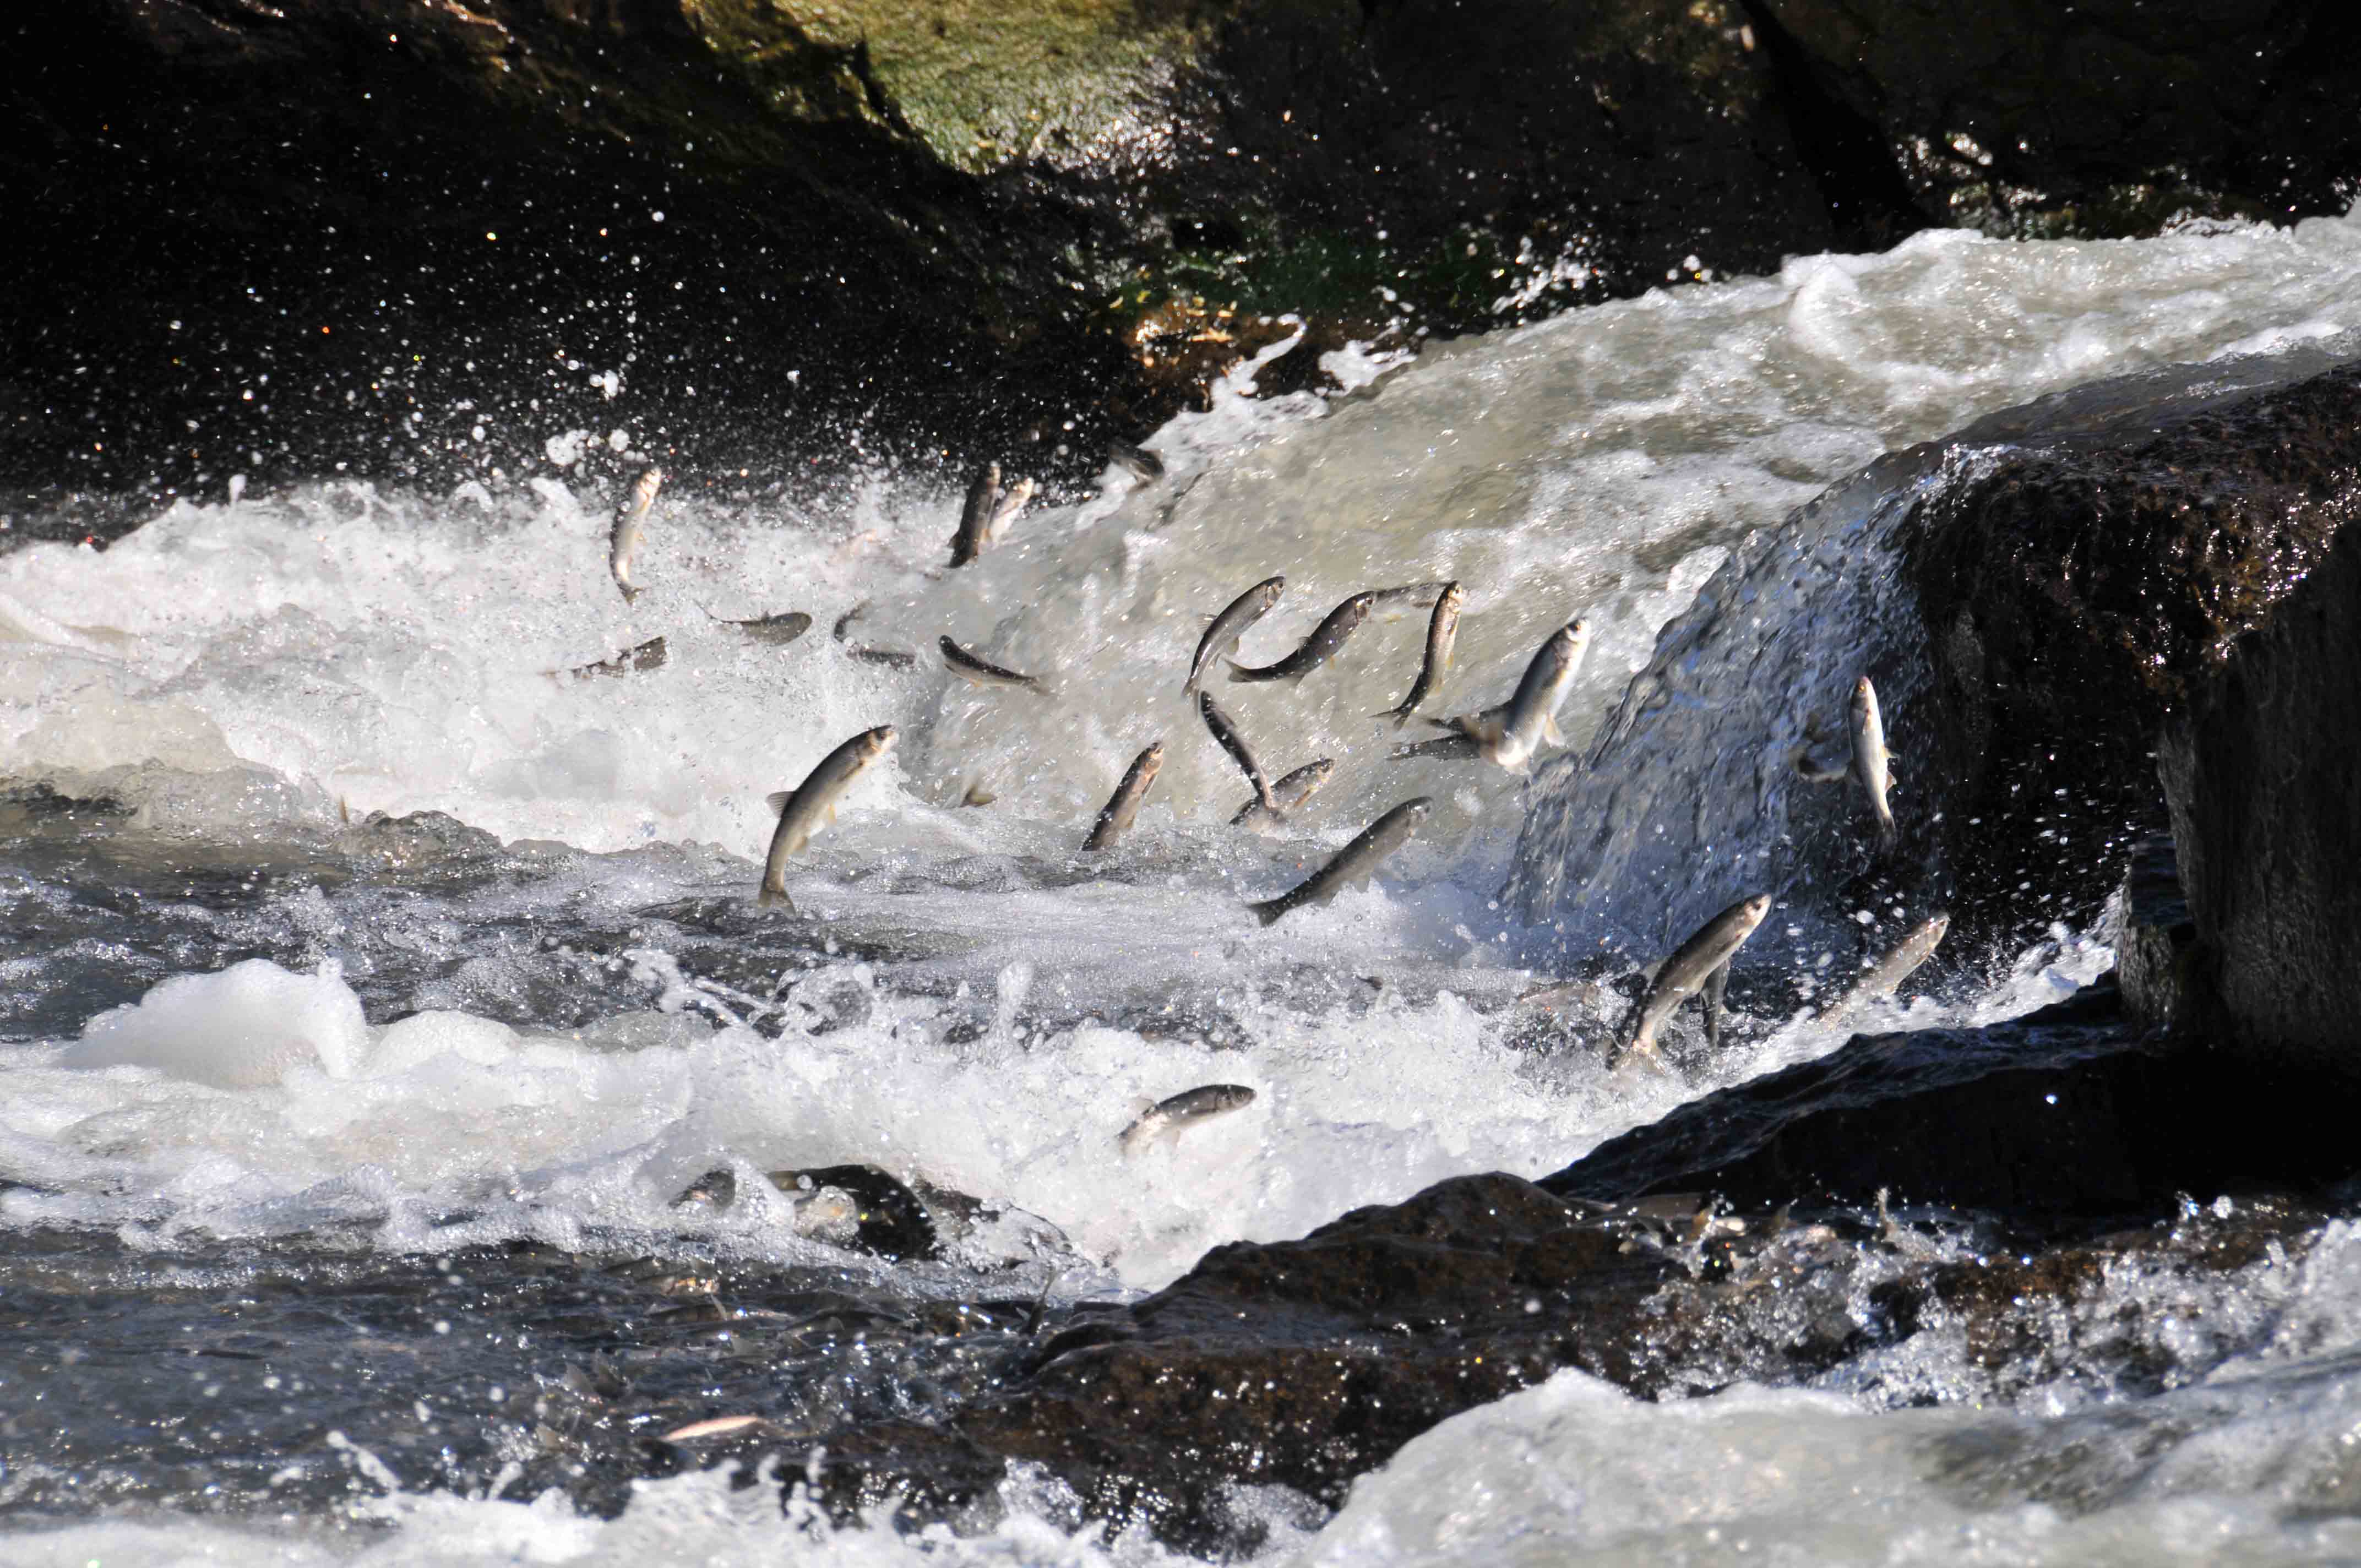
(981, 83)
(1327, 275)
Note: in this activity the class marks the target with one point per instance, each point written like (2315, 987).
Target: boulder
(2094, 602)
(2108, 117)
(2261, 766)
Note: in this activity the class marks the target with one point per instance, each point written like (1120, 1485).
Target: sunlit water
(542, 1035)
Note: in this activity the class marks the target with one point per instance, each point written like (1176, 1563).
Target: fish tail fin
(1238, 671)
(1269, 910)
(768, 897)
(631, 594)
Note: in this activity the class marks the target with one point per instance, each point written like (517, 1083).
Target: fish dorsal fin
(777, 801)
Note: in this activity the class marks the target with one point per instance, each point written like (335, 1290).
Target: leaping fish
(982, 673)
(1356, 861)
(1870, 762)
(1693, 964)
(1328, 640)
(1917, 946)
(1451, 748)
(1290, 793)
(1167, 1119)
(631, 518)
(1226, 731)
(1006, 509)
(1226, 627)
(975, 517)
(639, 657)
(1409, 596)
(781, 629)
(813, 805)
(1510, 735)
(1115, 817)
(1441, 639)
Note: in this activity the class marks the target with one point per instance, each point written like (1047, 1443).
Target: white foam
(251, 1024)
(396, 652)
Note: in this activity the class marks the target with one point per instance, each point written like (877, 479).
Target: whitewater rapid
(255, 677)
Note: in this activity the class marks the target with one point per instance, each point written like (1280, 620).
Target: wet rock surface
(740, 234)
(2091, 119)
(2264, 784)
(2078, 592)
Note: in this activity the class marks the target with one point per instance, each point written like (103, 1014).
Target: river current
(379, 973)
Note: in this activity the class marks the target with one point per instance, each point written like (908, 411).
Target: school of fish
(1510, 735)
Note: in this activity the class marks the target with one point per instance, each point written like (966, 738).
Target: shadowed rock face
(957, 229)
(2263, 772)
(2079, 593)
(2097, 118)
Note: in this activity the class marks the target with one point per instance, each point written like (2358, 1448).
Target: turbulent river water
(366, 1192)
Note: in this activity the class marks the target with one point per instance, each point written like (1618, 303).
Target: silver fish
(1328, 640)
(980, 673)
(1917, 945)
(1229, 626)
(1715, 996)
(781, 629)
(1356, 861)
(1441, 639)
(639, 658)
(631, 518)
(1692, 965)
(1510, 735)
(1116, 817)
(1167, 1119)
(1452, 748)
(1006, 510)
(1139, 461)
(975, 517)
(1871, 760)
(1225, 730)
(1290, 793)
(1409, 596)
(813, 806)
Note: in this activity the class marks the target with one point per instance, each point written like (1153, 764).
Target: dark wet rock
(1306, 1363)
(2063, 1118)
(459, 229)
(2154, 939)
(2081, 588)
(2099, 118)
(2020, 1117)
(2261, 763)
(715, 1190)
(893, 1222)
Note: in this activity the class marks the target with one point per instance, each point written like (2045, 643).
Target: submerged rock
(2076, 574)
